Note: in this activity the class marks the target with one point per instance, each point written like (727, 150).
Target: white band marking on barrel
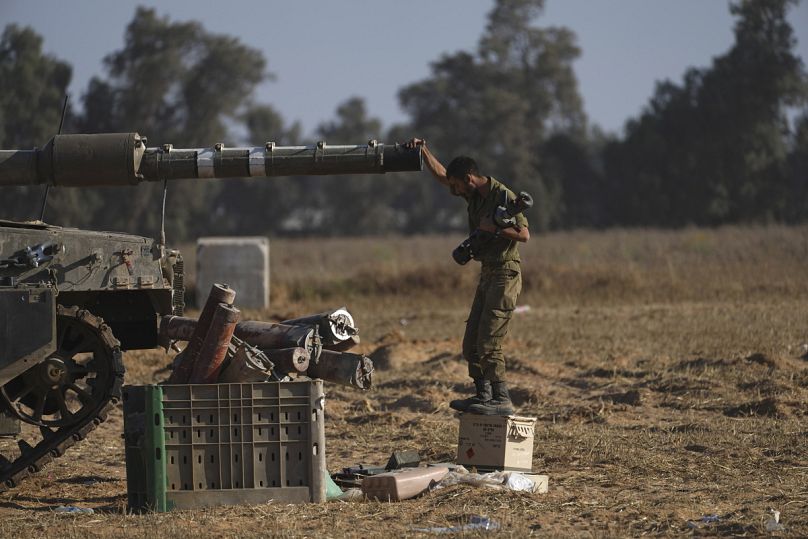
(258, 161)
(204, 163)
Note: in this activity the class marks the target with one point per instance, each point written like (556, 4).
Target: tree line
(726, 144)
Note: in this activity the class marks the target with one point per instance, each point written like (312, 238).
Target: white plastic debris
(499, 480)
(773, 524)
(73, 510)
(351, 495)
(476, 523)
(519, 482)
(706, 520)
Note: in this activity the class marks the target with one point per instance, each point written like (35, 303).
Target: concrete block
(240, 262)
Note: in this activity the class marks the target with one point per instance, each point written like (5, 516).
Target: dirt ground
(668, 372)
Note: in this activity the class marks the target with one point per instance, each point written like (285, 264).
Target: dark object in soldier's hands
(504, 217)
(471, 246)
(506, 212)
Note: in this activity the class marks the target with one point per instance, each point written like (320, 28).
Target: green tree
(32, 90)
(264, 206)
(351, 205)
(501, 104)
(572, 163)
(177, 83)
(797, 209)
(714, 149)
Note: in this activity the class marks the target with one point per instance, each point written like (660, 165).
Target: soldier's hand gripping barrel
(112, 159)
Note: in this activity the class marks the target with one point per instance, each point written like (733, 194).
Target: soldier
(499, 286)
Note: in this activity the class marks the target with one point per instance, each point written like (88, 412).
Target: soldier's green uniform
(497, 291)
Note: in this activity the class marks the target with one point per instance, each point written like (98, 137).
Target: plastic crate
(203, 445)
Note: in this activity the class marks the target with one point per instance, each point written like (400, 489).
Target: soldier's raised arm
(435, 167)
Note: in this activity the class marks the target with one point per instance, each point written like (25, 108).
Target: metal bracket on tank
(257, 157)
(33, 255)
(319, 151)
(204, 163)
(373, 144)
(270, 153)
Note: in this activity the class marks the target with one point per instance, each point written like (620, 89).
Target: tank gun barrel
(111, 159)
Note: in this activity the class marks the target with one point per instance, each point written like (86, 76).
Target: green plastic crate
(203, 445)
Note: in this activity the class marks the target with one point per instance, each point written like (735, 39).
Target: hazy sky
(324, 52)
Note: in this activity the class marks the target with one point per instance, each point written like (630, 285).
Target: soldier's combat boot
(500, 403)
(483, 394)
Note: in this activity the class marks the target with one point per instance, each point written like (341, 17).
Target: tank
(72, 301)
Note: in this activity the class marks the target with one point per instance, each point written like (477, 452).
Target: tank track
(54, 444)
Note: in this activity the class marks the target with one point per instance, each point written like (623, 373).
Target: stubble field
(668, 372)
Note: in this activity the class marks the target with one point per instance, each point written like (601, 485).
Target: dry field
(668, 372)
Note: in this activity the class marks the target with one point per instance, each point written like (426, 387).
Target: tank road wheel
(76, 380)
(67, 395)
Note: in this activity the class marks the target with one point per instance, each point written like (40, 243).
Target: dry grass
(668, 370)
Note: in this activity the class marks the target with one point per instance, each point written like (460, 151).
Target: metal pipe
(263, 335)
(334, 326)
(177, 328)
(343, 346)
(82, 160)
(289, 359)
(344, 368)
(219, 293)
(214, 349)
(266, 336)
(248, 364)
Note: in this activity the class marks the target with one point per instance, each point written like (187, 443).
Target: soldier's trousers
(489, 319)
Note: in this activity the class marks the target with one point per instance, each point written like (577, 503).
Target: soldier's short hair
(460, 166)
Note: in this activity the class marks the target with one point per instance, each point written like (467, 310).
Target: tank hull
(122, 278)
(72, 300)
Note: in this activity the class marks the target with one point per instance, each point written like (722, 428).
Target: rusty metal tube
(263, 335)
(248, 364)
(177, 328)
(289, 359)
(214, 348)
(334, 326)
(343, 346)
(344, 368)
(219, 293)
(267, 336)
